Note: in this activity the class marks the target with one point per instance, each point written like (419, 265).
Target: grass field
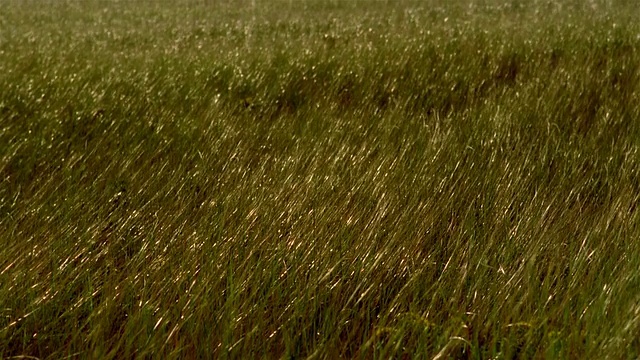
(319, 179)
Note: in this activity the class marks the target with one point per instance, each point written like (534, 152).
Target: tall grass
(319, 179)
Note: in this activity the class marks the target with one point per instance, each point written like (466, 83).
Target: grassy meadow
(319, 179)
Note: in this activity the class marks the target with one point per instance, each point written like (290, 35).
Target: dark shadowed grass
(319, 179)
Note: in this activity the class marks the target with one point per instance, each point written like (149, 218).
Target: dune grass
(319, 179)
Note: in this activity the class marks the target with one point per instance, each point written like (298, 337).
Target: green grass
(320, 179)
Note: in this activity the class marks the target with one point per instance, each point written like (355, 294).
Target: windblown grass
(319, 179)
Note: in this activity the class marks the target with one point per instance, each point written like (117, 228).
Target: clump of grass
(319, 179)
